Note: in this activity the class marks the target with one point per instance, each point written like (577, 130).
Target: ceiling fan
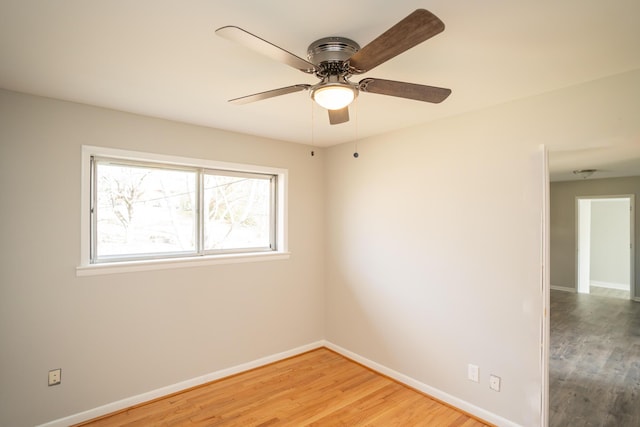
(334, 59)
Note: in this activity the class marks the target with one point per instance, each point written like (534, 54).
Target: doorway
(605, 254)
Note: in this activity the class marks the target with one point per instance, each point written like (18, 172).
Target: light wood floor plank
(318, 388)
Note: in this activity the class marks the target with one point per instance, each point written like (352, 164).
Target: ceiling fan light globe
(334, 97)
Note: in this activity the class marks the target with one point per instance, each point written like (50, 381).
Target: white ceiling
(161, 58)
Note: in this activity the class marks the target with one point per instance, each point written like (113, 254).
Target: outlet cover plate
(494, 382)
(55, 377)
(473, 373)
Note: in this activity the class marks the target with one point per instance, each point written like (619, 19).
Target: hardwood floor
(594, 366)
(318, 388)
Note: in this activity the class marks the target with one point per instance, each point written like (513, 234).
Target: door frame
(582, 257)
(545, 279)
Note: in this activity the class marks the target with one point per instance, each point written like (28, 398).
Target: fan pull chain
(355, 110)
(313, 121)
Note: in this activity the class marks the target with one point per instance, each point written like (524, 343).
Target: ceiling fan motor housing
(330, 54)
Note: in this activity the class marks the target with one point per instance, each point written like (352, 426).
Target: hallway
(594, 366)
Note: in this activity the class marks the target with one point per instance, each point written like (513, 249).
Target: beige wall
(563, 229)
(434, 242)
(433, 259)
(120, 335)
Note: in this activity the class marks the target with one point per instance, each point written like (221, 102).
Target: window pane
(144, 210)
(237, 212)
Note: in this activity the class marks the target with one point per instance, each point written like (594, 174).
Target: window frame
(200, 257)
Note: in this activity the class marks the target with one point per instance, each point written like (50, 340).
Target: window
(157, 208)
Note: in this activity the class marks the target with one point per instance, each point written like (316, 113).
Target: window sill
(164, 264)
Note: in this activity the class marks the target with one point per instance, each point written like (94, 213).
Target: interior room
(413, 236)
(594, 309)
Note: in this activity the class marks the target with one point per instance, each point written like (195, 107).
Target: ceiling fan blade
(405, 90)
(339, 116)
(269, 94)
(412, 30)
(263, 47)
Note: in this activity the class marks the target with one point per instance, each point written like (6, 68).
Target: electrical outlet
(55, 377)
(473, 373)
(494, 382)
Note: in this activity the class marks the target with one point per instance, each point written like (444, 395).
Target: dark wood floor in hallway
(594, 367)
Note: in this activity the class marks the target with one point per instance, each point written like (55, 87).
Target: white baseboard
(431, 391)
(610, 285)
(154, 394)
(563, 288)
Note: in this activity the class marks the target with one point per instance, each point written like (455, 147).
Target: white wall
(610, 262)
(120, 335)
(434, 243)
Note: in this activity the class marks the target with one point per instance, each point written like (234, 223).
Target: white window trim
(87, 269)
